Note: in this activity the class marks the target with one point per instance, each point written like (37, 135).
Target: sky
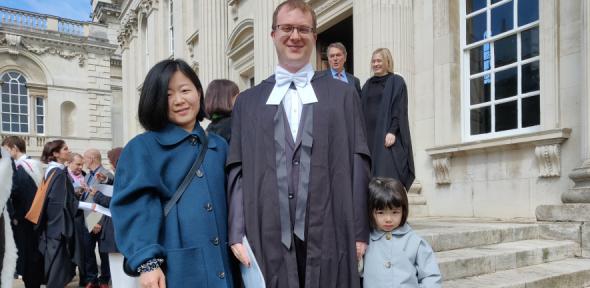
(71, 9)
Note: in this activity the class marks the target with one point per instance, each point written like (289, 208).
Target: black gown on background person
(221, 125)
(385, 106)
(58, 242)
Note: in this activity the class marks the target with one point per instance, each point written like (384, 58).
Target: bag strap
(195, 170)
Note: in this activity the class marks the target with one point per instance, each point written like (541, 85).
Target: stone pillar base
(566, 222)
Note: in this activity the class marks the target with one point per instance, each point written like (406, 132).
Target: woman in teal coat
(188, 247)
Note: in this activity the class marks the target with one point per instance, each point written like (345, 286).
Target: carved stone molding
(442, 168)
(127, 28)
(325, 6)
(548, 158)
(13, 42)
(146, 6)
(63, 53)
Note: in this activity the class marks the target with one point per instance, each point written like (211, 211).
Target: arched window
(15, 103)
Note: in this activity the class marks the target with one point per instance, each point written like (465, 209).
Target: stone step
(460, 263)
(568, 273)
(445, 235)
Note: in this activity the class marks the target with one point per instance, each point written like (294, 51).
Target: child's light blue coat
(403, 259)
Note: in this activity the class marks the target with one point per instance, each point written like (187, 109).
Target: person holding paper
(299, 167)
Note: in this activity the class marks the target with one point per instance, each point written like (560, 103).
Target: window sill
(547, 145)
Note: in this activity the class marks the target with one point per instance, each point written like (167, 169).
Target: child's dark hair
(153, 102)
(387, 193)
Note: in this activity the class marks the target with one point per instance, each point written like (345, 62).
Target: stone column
(265, 56)
(388, 24)
(580, 193)
(574, 214)
(213, 62)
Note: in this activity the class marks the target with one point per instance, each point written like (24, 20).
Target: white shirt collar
(306, 93)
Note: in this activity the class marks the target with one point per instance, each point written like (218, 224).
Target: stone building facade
(499, 90)
(59, 79)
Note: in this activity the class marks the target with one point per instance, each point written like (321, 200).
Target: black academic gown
(58, 242)
(396, 161)
(336, 215)
(30, 264)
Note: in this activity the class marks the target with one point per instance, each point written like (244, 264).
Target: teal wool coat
(192, 239)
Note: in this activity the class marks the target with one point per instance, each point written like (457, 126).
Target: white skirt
(118, 277)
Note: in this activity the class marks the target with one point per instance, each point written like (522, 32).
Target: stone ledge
(547, 151)
(564, 213)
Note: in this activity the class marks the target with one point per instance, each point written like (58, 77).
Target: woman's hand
(152, 279)
(241, 254)
(389, 140)
(101, 177)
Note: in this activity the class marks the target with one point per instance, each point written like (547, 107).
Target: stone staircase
(478, 253)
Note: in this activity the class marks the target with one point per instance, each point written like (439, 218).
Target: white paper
(252, 276)
(106, 190)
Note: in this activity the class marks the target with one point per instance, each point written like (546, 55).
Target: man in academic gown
(299, 167)
(27, 176)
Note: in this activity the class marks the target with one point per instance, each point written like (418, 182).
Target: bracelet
(150, 265)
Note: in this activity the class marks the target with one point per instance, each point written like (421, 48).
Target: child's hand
(361, 247)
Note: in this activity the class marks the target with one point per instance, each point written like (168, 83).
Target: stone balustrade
(25, 20)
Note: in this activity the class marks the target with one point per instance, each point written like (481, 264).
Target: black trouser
(301, 253)
(29, 257)
(90, 261)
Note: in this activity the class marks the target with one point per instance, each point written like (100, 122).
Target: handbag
(34, 213)
(195, 170)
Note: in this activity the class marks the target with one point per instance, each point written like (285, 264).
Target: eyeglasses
(288, 29)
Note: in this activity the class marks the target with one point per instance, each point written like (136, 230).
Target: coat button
(291, 196)
(193, 140)
(221, 275)
(208, 207)
(199, 173)
(295, 162)
(215, 241)
(387, 264)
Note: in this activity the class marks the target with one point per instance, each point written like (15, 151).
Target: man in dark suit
(337, 58)
(93, 161)
(27, 176)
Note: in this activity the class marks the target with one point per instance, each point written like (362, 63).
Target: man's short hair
(295, 4)
(15, 141)
(337, 45)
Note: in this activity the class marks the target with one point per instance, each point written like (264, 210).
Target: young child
(396, 256)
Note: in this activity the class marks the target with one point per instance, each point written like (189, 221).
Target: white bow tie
(285, 78)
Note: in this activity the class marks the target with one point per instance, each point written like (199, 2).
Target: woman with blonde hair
(385, 106)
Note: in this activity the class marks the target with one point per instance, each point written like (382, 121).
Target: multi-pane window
(40, 114)
(15, 103)
(501, 67)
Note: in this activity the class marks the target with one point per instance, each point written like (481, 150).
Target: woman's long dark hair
(153, 101)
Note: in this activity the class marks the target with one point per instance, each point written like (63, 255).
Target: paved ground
(19, 284)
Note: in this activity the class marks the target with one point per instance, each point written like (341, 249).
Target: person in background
(8, 254)
(93, 161)
(106, 243)
(219, 101)
(385, 105)
(337, 55)
(190, 239)
(58, 241)
(396, 256)
(26, 178)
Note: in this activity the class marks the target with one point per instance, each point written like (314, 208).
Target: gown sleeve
(361, 172)
(136, 209)
(399, 107)
(236, 225)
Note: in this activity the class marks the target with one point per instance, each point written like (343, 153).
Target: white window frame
(466, 106)
(44, 114)
(171, 27)
(28, 114)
